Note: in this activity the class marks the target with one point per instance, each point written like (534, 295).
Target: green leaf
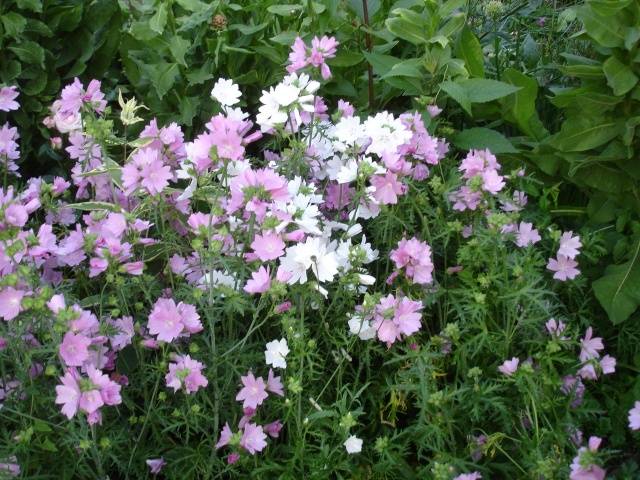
(481, 138)
(192, 5)
(13, 23)
(201, 75)
(608, 7)
(607, 31)
(178, 47)
(284, 10)
(406, 30)
(580, 134)
(617, 290)
(619, 76)
(162, 75)
(453, 25)
(459, 94)
(346, 58)
(583, 71)
(248, 29)
(284, 38)
(381, 63)
(33, 5)
(406, 68)
(92, 206)
(470, 50)
(522, 104)
(482, 90)
(29, 52)
(159, 19)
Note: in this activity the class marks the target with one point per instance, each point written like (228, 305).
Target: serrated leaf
(481, 138)
(178, 47)
(459, 94)
(13, 23)
(29, 52)
(159, 19)
(607, 31)
(92, 206)
(162, 75)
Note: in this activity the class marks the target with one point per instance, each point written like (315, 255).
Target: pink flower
(608, 365)
(268, 246)
(394, 317)
(233, 457)
(186, 373)
(492, 182)
(254, 391)
(273, 429)
(564, 268)
(388, 187)
(274, 384)
(74, 349)
(590, 346)
(10, 303)
(527, 235)
(7, 99)
(68, 394)
(415, 257)
(253, 438)
(582, 468)
(225, 436)
(168, 321)
(468, 476)
(260, 281)
(165, 320)
(433, 110)
(555, 328)
(634, 417)
(155, 465)
(16, 215)
(155, 176)
(509, 367)
(569, 245)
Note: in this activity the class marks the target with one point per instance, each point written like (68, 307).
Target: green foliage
(43, 45)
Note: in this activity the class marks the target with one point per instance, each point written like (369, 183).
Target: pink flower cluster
(251, 436)
(395, 318)
(321, 49)
(480, 170)
(413, 257)
(9, 148)
(583, 466)
(185, 373)
(169, 321)
(564, 265)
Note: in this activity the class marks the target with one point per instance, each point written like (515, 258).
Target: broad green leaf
(178, 47)
(619, 76)
(481, 90)
(617, 290)
(162, 76)
(200, 75)
(607, 8)
(607, 31)
(381, 63)
(346, 58)
(29, 52)
(481, 138)
(449, 6)
(583, 71)
(284, 10)
(405, 30)
(285, 38)
(581, 134)
(192, 5)
(159, 19)
(33, 5)
(13, 23)
(522, 104)
(406, 68)
(248, 29)
(470, 50)
(453, 25)
(459, 94)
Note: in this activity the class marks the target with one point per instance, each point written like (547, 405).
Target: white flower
(361, 327)
(276, 353)
(387, 133)
(348, 173)
(353, 444)
(226, 92)
(312, 254)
